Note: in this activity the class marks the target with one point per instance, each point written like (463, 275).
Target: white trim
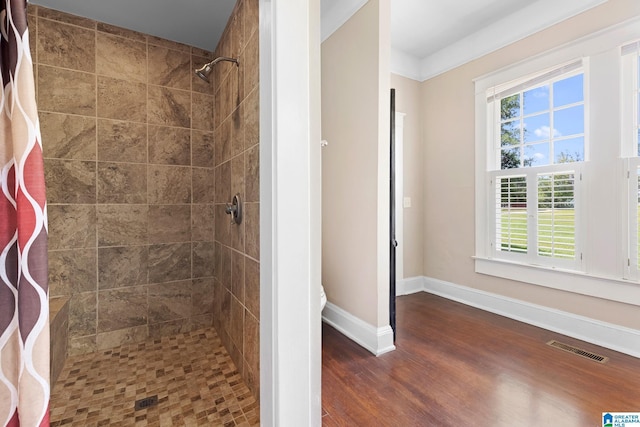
(527, 21)
(290, 333)
(610, 37)
(405, 65)
(618, 290)
(608, 335)
(336, 14)
(268, 327)
(630, 220)
(377, 340)
(410, 285)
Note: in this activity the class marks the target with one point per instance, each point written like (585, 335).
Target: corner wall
(236, 314)
(355, 193)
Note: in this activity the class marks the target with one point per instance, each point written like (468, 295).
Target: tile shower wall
(128, 138)
(236, 158)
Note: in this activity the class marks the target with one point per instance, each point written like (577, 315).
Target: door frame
(399, 202)
(290, 209)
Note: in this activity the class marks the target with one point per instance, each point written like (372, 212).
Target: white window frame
(604, 189)
(630, 92)
(493, 166)
(632, 272)
(630, 52)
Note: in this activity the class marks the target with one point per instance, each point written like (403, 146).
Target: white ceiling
(428, 37)
(421, 28)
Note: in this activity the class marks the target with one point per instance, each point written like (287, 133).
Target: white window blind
(535, 215)
(556, 215)
(519, 86)
(511, 214)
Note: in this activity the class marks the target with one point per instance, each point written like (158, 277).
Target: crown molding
(405, 65)
(536, 17)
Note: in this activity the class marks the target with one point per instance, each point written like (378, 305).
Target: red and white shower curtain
(24, 305)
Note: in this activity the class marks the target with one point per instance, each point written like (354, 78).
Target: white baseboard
(377, 340)
(614, 337)
(410, 285)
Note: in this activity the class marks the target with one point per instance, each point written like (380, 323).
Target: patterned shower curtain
(24, 305)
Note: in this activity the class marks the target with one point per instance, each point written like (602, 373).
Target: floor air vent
(578, 351)
(147, 402)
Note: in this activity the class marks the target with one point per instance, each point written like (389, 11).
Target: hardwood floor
(455, 365)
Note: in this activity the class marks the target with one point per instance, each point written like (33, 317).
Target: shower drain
(147, 402)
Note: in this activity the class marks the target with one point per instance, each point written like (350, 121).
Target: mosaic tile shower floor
(192, 374)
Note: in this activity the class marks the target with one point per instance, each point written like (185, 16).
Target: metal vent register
(578, 351)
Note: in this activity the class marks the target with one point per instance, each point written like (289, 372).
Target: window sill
(608, 288)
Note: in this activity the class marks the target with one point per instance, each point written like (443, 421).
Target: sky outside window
(547, 122)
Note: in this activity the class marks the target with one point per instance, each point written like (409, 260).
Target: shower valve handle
(235, 209)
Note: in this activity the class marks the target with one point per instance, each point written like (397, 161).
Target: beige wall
(408, 102)
(449, 173)
(355, 122)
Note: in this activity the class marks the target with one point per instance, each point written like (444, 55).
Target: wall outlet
(406, 202)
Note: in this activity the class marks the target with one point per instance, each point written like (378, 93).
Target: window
(539, 140)
(558, 167)
(543, 125)
(631, 149)
(633, 261)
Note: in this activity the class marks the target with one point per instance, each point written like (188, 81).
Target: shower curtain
(24, 305)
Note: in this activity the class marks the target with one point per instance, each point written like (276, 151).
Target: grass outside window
(555, 237)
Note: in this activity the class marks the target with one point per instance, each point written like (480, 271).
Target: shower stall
(142, 159)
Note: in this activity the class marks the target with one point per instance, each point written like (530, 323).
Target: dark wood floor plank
(459, 366)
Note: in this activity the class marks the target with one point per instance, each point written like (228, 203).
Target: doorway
(396, 204)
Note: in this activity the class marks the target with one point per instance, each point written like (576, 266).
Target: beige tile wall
(137, 188)
(59, 328)
(236, 158)
(128, 142)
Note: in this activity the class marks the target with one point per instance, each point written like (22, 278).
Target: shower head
(204, 71)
